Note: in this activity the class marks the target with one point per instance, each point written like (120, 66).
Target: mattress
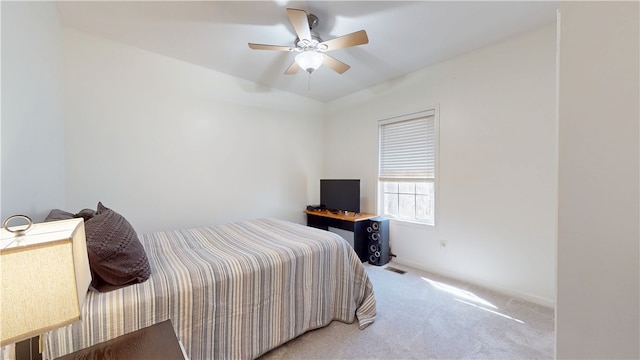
(232, 291)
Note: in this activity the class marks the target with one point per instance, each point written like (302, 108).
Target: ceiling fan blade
(292, 69)
(353, 39)
(270, 47)
(300, 23)
(336, 65)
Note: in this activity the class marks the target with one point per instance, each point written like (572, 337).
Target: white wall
(32, 144)
(171, 145)
(496, 194)
(598, 314)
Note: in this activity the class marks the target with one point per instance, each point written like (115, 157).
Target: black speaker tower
(378, 240)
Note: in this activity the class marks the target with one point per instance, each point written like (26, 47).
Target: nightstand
(157, 341)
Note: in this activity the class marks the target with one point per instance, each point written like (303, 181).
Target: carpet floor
(425, 316)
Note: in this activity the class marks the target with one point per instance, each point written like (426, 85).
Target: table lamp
(44, 277)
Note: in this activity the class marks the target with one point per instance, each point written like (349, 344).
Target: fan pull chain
(309, 82)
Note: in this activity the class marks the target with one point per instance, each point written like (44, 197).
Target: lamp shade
(44, 277)
(309, 60)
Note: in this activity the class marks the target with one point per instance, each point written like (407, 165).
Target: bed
(232, 291)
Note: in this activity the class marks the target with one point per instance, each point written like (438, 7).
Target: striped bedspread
(232, 291)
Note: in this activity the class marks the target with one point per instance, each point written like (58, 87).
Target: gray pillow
(86, 214)
(116, 256)
(57, 214)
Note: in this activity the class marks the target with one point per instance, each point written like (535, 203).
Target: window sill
(414, 224)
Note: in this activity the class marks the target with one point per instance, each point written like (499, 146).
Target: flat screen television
(340, 194)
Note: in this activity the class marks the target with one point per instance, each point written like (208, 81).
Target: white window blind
(408, 148)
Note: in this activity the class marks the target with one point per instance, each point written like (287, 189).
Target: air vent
(395, 270)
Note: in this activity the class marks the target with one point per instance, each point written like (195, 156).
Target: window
(407, 167)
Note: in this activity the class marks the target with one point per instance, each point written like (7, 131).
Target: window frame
(430, 111)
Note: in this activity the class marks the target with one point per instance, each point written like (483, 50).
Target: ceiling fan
(311, 47)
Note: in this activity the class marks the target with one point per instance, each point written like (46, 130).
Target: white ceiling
(403, 36)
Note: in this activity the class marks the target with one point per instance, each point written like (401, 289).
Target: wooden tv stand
(350, 221)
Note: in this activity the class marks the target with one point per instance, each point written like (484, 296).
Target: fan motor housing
(313, 21)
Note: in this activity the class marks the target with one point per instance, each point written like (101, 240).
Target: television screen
(340, 195)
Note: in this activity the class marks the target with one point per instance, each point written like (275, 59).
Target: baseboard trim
(524, 296)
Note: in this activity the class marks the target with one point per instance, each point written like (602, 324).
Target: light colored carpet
(426, 316)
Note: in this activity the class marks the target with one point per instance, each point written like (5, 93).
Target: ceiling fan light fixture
(309, 60)
(311, 47)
